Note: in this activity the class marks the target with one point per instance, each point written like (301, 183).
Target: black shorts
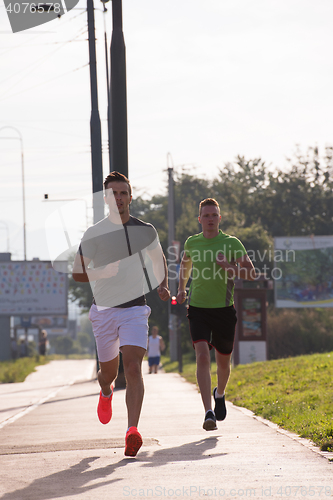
(216, 326)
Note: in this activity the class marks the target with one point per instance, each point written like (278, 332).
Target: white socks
(217, 395)
(109, 396)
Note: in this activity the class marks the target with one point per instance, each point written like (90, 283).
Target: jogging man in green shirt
(215, 259)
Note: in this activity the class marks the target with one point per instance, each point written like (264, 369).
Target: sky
(206, 81)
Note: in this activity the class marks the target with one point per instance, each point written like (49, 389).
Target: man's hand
(164, 293)
(110, 270)
(223, 262)
(181, 296)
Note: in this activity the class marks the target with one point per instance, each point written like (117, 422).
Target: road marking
(35, 405)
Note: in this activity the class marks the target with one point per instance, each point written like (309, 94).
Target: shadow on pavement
(72, 481)
(65, 483)
(186, 452)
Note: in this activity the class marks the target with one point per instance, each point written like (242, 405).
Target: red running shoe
(133, 442)
(104, 409)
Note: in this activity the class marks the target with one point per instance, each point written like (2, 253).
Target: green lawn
(295, 393)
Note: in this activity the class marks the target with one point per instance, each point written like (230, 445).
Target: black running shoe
(220, 409)
(209, 422)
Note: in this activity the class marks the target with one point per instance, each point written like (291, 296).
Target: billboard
(33, 288)
(54, 325)
(303, 271)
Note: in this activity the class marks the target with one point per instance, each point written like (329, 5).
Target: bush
(85, 342)
(62, 345)
(293, 332)
(18, 370)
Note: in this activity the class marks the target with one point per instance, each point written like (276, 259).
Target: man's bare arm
(184, 276)
(245, 270)
(82, 274)
(160, 269)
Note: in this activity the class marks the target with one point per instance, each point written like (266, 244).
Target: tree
(80, 292)
(299, 201)
(62, 345)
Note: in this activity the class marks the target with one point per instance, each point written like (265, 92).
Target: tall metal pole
(172, 282)
(107, 83)
(117, 112)
(95, 122)
(119, 148)
(23, 200)
(23, 185)
(7, 229)
(95, 129)
(5, 343)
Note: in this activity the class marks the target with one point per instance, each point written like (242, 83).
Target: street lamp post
(46, 198)
(95, 122)
(107, 83)
(23, 184)
(119, 148)
(7, 229)
(118, 101)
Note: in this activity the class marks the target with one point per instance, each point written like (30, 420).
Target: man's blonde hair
(208, 201)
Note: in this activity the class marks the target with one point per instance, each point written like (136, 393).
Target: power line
(43, 83)
(24, 44)
(54, 131)
(39, 62)
(17, 46)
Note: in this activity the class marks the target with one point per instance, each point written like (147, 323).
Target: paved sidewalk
(41, 385)
(60, 450)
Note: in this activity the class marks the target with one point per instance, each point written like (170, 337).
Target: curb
(295, 437)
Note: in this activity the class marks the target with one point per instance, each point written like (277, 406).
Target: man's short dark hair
(117, 177)
(208, 201)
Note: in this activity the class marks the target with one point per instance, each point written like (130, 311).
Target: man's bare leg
(223, 371)
(106, 374)
(203, 373)
(132, 360)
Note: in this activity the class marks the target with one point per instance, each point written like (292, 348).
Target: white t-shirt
(154, 346)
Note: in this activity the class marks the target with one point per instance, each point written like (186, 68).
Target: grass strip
(295, 393)
(18, 370)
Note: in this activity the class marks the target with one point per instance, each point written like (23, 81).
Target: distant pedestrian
(155, 347)
(42, 342)
(13, 346)
(215, 259)
(23, 348)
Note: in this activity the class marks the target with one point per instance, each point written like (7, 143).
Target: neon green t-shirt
(211, 286)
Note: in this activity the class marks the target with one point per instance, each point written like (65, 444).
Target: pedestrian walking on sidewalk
(215, 260)
(117, 247)
(155, 347)
(42, 342)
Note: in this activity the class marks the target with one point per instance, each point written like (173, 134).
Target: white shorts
(115, 327)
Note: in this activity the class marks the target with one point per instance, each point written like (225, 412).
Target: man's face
(154, 331)
(210, 218)
(117, 197)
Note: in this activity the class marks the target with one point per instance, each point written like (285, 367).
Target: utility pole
(173, 320)
(95, 122)
(5, 341)
(23, 185)
(95, 128)
(119, 148)
(118, 114)
(107, 83)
